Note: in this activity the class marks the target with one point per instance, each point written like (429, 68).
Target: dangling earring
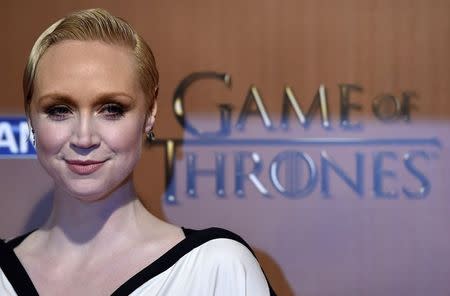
(33, 138)
(150, 136)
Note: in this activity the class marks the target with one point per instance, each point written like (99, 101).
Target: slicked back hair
(94, 25)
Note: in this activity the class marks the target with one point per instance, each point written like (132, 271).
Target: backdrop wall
(356, 205)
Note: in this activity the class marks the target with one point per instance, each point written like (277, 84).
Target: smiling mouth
(85, 167)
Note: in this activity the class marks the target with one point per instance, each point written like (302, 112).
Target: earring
(150, 136)
(33, 138)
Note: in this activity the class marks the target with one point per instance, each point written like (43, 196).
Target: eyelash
(58, 112)
(112, 111)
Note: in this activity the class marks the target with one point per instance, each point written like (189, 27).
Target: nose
(85, 134)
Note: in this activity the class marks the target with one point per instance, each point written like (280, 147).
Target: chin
(88, 196)
(93, 190)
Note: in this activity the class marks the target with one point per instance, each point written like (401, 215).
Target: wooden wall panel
(384, 46)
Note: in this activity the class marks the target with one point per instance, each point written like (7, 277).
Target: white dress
(213, 261)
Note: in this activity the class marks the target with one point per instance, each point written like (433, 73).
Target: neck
(79, 221)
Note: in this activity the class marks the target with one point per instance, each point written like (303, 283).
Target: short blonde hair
(94, 25)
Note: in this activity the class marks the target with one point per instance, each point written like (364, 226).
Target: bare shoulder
(25, 243)
(160, 233)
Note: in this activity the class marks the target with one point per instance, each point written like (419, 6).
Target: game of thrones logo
(378, 165)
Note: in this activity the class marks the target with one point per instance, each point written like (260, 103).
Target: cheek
(125, 136)
(51, 137)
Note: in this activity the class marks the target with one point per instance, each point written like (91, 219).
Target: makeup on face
(89, 116)
(111, 106)
(84, 167)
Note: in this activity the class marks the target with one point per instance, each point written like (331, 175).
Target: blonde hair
(94, 25)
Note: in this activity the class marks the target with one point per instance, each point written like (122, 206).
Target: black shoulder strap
(18, 240)
(14, 271)
(201, 236)
(194, 238)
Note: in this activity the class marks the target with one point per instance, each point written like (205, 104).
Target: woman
(90, 89)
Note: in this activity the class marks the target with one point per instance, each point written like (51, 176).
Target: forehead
(86, 67)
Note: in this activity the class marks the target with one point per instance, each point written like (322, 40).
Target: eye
(58, 112)
(112, 111)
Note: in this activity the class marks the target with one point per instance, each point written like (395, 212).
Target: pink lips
(84, 167)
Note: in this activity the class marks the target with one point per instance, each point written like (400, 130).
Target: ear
(151, 117)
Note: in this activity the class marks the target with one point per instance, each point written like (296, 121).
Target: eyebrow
(100, 99)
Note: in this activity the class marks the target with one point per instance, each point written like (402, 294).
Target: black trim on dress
(14, 270)
(22, 284)
(194, 239)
